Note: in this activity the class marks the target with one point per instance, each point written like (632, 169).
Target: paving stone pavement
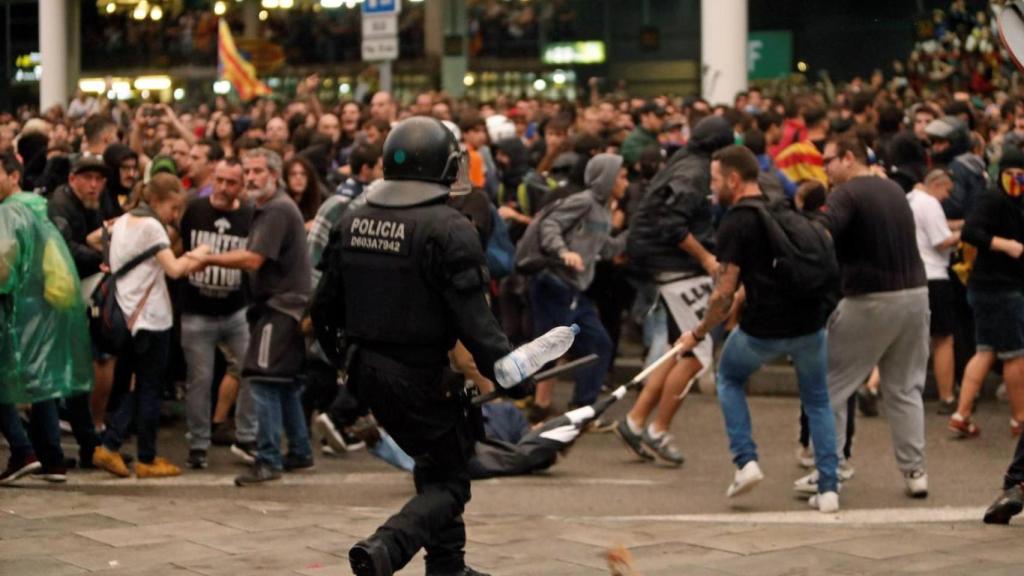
(50, 532)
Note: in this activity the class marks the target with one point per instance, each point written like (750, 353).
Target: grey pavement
(671, 521)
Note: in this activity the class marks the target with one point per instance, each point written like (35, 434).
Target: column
(53, 48)
(454, 64)
(251, 18)
(723, 47)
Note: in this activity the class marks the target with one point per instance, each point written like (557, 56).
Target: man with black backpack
(783, 260)
(883, 318)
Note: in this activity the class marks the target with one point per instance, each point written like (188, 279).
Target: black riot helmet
(422, 149)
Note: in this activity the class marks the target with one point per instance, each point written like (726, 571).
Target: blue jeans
(279, 406)
(743, 355)
(554, 303)
(146, 357)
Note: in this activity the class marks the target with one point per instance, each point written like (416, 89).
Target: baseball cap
(87, 163)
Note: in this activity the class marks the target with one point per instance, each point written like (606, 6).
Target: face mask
(1013, 186)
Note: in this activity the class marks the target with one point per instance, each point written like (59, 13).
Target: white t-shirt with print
(932, 230)
(131, 236)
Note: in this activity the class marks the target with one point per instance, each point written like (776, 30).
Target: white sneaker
(745, 480)
(809, 484)
(827, 502)
(805, 456)
(327, 430)
(917, 484)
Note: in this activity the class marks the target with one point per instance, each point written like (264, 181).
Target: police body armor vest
(393, 281)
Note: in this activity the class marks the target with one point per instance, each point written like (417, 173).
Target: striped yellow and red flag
(234, 68)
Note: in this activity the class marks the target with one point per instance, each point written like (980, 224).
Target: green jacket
(44, 335)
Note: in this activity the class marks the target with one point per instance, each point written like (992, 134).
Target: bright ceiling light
(152, 83)
(92, 85)
(221, 87)
(539, 84)
(219, 8)
(156, 13)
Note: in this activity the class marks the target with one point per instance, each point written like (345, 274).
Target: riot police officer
(404, 278)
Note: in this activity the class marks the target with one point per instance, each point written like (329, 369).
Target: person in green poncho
(44, 338)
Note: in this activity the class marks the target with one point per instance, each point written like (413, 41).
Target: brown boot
(159, 468)
(110, 461)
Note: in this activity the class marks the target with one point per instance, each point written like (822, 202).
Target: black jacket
(676, 204)
(75, 222)
(995, 214)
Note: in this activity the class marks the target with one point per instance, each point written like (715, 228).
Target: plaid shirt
(327, 217)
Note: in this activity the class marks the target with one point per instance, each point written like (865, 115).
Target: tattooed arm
(719, 305)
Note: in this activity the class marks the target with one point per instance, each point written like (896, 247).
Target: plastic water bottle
(526, 360)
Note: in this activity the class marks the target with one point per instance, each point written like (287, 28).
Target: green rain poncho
(44, 335)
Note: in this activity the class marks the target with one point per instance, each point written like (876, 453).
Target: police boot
(466, 571)
(370, 558)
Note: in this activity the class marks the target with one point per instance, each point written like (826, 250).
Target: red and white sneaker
(963, 427)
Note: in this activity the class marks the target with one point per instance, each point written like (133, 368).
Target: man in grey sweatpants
(883, 318)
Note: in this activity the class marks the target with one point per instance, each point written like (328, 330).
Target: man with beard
(279, 281)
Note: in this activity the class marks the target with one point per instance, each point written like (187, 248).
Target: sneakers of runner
(258, 473)
(197, 460)
(946, 407)
(245, 451)
(52, 474)
(745, 479)
(600, 426)
(917, 483)
(158, 468)
(809, 484)
(18, 468)
(805, 456)
(663, 448)
(963, 427)
(370, 558)
(867, 401)
(632, 441)
(1009, 504)
(110, 461)
(826, 502)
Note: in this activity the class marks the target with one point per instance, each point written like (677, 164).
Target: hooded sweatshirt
(677, 204)
(115, 193)
(583, 223)
(996, 213)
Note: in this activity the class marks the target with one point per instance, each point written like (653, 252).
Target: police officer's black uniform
(405, 276)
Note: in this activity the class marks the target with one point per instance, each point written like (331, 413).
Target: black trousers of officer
(423, 412)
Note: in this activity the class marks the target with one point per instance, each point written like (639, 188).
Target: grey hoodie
(583, 223)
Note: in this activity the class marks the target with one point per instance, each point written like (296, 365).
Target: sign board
(584, 52)
(769, 54)
(380, 48)
(380, 25)
(382, 6)
(380, 29)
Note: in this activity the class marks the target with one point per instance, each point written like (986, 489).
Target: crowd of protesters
(222, 210)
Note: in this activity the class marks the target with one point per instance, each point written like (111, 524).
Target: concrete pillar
(251, 18)
(723, 47)
(53, 49)
(454, 65)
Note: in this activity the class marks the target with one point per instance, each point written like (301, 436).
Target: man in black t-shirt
(213, 312)
(277, 263)
(773, 324)
(883, 318)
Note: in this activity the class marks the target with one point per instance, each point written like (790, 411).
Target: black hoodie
(110, 201)
(677, 204)
(996, 214)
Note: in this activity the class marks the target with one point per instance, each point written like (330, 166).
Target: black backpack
(804, 263)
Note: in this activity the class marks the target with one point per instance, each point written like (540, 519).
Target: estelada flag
(234, 68)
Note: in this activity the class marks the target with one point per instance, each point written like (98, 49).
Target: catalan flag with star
(236, 69)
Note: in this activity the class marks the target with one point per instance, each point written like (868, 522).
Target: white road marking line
(863, 516)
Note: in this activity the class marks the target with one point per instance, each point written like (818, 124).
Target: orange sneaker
(110, 461)
(159, 468)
